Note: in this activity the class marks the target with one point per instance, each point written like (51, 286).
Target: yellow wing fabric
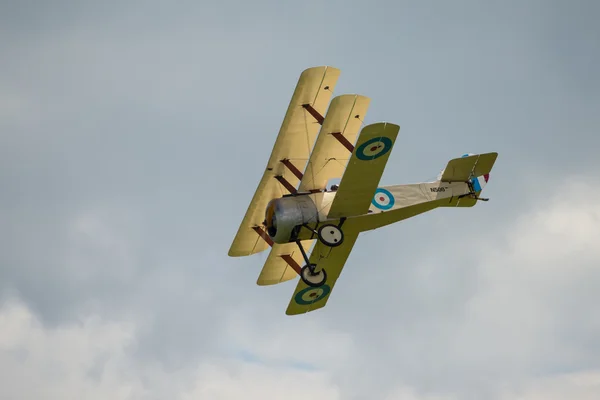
(364, 170)
(329, 156)
(276, 268)
(464, 168)
(332, 260)
(295, 141)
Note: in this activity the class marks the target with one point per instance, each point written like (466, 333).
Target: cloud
(576, 386)
(506, 309)
(93, 359)
(481, 311)
(86, 359)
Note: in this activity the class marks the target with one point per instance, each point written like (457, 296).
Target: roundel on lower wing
(383, 199)
(374, 148)
(311, 295)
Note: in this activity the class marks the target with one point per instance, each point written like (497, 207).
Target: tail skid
(473, 193)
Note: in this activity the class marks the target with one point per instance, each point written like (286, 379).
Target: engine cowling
(284, 217)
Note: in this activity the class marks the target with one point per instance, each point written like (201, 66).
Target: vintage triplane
(291, 210)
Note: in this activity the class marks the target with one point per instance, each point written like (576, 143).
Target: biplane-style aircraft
(291, 210)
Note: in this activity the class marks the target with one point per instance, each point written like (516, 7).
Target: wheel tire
(311, 279)
(330, 235)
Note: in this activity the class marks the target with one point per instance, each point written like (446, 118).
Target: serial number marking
(438, 189)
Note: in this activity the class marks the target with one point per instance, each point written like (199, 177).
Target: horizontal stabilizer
(464, 168)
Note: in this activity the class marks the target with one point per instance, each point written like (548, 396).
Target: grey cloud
(133, 137)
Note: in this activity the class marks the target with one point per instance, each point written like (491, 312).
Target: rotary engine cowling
(285, 216)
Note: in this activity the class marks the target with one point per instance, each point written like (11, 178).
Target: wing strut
(286, 184)
(291, 262)
(292, 168)
(342, 139)
(337, 135)
(316, 115)
(263, 235)
(286, 257)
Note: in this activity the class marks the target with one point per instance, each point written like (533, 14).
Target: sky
(133, 135)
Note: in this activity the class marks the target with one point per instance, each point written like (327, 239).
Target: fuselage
(297, 217)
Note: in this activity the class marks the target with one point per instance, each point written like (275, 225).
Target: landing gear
(312, 278)
(330, 235)
(308, 274)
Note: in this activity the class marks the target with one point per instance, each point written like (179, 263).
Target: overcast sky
(133, 135)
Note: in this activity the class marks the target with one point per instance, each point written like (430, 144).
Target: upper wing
(332, 260)
(278, 266)
(294, 142)
(364, 170)
(464, 168)
(329, 156)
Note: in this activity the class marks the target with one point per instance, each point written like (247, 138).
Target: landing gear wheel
(313, 279)
(330, 235)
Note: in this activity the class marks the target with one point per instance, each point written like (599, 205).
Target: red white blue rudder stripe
(480, 181)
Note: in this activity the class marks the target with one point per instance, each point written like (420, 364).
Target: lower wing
(331, 259)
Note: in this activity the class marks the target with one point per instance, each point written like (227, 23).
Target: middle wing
(329, 157)
(364, 170)
(332, 260)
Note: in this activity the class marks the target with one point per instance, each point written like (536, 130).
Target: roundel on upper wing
(311, 295)
(374, 148)
(383, 199)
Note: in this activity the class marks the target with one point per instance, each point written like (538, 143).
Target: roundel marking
(383, 199)
(374, 148)
(311, 295)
